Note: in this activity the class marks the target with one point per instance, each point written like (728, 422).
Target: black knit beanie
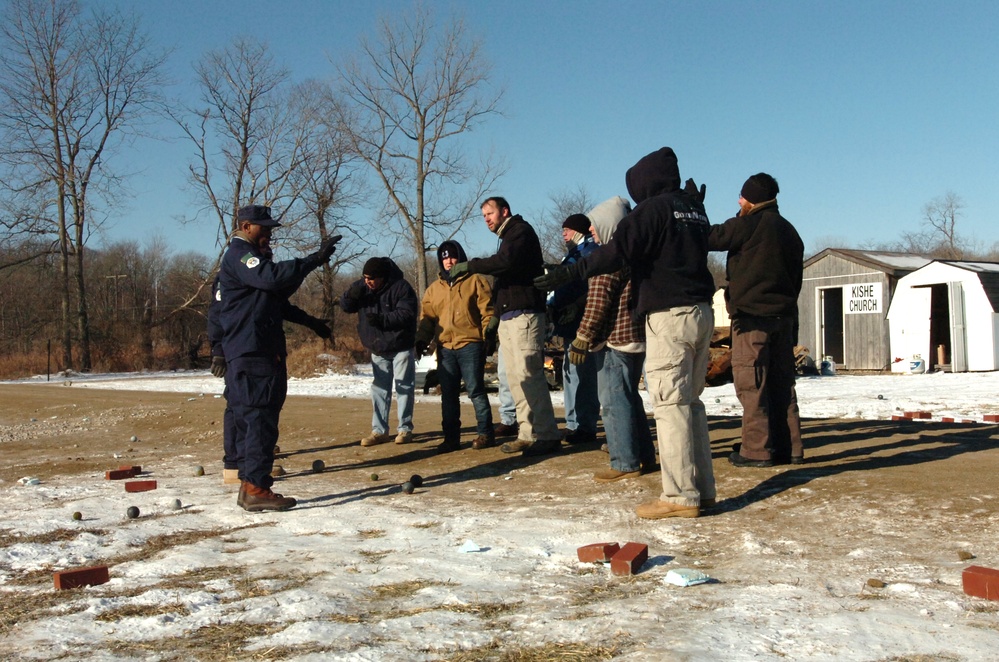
(578, 222)
(760, 188)
(376, 267)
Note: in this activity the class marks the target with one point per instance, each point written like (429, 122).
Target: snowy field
(482, 570)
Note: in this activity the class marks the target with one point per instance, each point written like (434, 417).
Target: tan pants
(676, 364)
(522, 341)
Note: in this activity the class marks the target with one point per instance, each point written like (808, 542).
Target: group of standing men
(647, 307)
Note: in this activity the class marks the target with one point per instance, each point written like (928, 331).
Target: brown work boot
(376, 438)
(242, 493)
(515, 446)
(504, 430)
(259, 499)
(660, 509)
(404, 437)
(611, 475)
(483, 441)
(542, 447)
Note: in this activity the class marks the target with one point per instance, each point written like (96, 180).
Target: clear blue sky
(864, 111)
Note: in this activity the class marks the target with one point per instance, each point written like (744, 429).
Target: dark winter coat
(568, 302)
(515, 265)
(664, 240)
(765, 262)
(396, 304)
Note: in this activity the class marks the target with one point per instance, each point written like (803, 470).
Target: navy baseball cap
(257, 214)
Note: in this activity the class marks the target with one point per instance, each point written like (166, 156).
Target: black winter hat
(376, 267)
(257, 214)
(760, 188)
(578, 222)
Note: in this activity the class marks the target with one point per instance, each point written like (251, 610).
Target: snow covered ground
(348, 577)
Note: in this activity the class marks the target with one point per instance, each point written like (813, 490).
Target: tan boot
(404, 437)
(259, 499)
(376, 438)
(611, 475)
(230, 476)
(660, 509)
(515, 446)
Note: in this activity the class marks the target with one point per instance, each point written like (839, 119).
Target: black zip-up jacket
(765, 262)
(395, 301)
(515, 265)
(664, 240)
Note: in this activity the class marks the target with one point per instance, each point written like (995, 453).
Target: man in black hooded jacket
(665, 242)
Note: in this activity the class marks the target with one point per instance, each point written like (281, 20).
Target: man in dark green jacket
(764, 267)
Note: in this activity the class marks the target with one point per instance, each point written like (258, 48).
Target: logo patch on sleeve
(250, 260)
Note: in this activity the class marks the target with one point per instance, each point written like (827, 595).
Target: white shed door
(958, 342)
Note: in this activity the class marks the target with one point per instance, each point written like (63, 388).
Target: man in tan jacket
(458, 313)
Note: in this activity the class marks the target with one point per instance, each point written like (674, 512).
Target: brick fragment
(948, 419)
(599, 552)
(93, 576)
(135, 469)
(991, 418)
(119, 474)
(140, 485)
(918, 414)
(896, 417)
(629, 559)
(981, 582)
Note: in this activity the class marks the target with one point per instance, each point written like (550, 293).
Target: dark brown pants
(763, 372)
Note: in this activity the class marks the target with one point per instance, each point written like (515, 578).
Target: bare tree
(940, 217)
(72, 87)
(415, 92)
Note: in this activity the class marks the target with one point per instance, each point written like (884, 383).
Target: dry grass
(8, 537)
(374, 556)
(406, 589)
(561, 651)
(139, 611)
(366, 534)
(919, 657)
(22, 607)
(612, 589)
(221, 641)
(425, 525)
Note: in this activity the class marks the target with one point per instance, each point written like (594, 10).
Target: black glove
(328, 246)
(218, 366)
(555, 278)
(578, 351)
(690, 188)
(355, 293)
(376, 320)
(489, 335)
(421, 347)
(321, 328)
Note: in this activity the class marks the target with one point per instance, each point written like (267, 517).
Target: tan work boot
(404, 437)
(259, 499)
(515, 446)
(376, 438)
(230, 476)
(660, 509)
(611, 475)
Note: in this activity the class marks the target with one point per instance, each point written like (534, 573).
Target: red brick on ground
(119, 474)
(948, 419)
(599, 552)
(140, 485)
(918, 414)
(81, 577)
(981, 582)
(896, 417)
(991, 418)
(629, 559)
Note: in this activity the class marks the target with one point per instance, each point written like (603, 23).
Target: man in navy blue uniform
(254, 291)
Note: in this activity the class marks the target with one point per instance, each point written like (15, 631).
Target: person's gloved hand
(691, 189)
(328, 246)
(554, 279)
(578, 351)
(218, 366)
(458, 269)
(490, 334)
(355, 293)
(376, 320)
(321, 328)
(421, 347)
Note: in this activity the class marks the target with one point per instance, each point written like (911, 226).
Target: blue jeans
(579, 388)
(453, 365)
(401, 367)
(507, 408)
(629, 440)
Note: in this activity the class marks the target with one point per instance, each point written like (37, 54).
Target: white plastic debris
(469, 547)
(686, 577)
(29, 480)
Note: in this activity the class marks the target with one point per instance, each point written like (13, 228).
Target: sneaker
(611, 475)
(660, 509)
(449, 446)
(504, 430)
(483, 441)
(259, 499)
(376, 438)
(404, 437)
(230, 476)
(578, 437)
(542, 447)
(736, 459)
(515, 446)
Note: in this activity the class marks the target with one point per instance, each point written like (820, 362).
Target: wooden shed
(843, 305)
(946, 315)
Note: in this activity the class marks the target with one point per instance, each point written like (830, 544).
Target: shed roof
(893, 264)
